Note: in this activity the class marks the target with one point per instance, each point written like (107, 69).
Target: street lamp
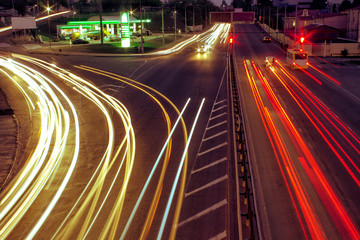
(175, 24)
(162, 22)
(186, 30)
(48, 13)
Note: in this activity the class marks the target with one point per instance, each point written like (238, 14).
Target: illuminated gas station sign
(125, 30)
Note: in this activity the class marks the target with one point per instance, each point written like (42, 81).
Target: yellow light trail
(157, 194)
(97, 97)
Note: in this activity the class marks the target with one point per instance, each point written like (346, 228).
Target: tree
(318, 4)
(346, 4)
(356, 3)
(237, 3)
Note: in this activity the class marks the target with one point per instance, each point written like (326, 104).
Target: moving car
(267, 39)
(269, 61)
(80, 41)
(203, 48)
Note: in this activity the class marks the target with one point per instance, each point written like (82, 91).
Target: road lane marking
(209, 165)
(219, 236)
(214, 136)
(212, 149)
(219, 108)
(203, 213)
(220, 123)
(217, 116)
(221, 101)
(210, 184)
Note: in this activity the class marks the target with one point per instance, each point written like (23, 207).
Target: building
(302, 3)
(353, 24)
(294, 24)
(319, 33)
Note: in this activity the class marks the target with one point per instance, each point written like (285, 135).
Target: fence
(318, 49)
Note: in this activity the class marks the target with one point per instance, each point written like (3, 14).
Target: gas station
(115, 28)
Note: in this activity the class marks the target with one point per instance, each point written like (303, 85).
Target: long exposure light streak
(58, 117)
(327, 195)
(60, 72)
(325, 74)
(307, 210)
(152, 173)
(142, 87)
(331, 118)
(172, 193)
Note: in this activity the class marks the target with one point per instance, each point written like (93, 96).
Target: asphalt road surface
(113, 117)
(303, 129)
(116, 159)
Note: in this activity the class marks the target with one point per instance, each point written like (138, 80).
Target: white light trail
(152, 173)
(172, 193)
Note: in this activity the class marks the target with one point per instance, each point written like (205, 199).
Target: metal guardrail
(247, 222)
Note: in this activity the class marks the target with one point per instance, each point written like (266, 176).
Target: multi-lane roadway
(303, 133)
(108, 156)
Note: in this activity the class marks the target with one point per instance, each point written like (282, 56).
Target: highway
(303, 132)
(109, 155)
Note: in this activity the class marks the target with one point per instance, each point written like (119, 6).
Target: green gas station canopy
(77, 23)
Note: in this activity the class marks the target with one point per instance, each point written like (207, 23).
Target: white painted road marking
(210, 165)
(212, 149)
(203, 213)
(223, 178)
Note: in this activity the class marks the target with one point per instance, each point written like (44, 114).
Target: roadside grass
(151, 43)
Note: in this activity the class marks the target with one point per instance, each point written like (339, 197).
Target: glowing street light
(48, 9)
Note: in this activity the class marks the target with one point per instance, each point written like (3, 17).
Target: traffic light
(231, 40)
(302, 39)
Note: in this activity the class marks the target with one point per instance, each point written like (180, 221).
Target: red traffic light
(302, 39)
(231, 40)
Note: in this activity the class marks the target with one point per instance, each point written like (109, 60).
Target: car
(267, 39)
(203, 48)
(269, 61)
(80, 41)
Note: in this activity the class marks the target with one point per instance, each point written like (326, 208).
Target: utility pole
(101, 25)
(193, 17)
(285, 26)
(141, 31)
(277, 18)
(295, 22)
(175, 23)
(185, 22)
(277, 23)
(162, 22)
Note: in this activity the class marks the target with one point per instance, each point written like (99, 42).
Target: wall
(317, 49)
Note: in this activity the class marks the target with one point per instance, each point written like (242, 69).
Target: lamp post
(162, 22)
(101, 24)
(175, 24)
(141, 32)
(185, 22)
(186, 30)
(48, 13)
(193, 17)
